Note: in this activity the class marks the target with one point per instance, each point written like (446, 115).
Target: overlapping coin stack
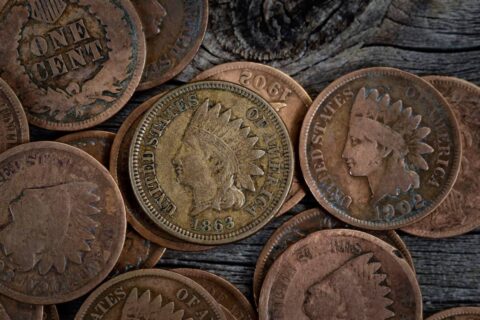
(211, 162)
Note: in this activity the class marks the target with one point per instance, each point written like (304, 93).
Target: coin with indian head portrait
(150, 294)
(380, 148)
(211, 162)
(174, 30)
(459, 213)
(283, 93)
(462, 313)
(357, 276)
(62, 223)
(14, 310)
(73, 64)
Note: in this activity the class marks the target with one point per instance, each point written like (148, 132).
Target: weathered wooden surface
(317, 41)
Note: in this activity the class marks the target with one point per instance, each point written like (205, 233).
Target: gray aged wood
(315, 42)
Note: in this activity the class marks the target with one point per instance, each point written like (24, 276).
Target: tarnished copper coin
(174, 30)
(380, 148)
(50, 313)
(96, 143)
(283, 93)
(356, 276)
(299, 227)
(224, 292)
(459, 213)
(211, 162)
(119, 170)
(62, 222)
(13, 122)
(150, 294)
(14, 310)
(73, 64)
(465, 313)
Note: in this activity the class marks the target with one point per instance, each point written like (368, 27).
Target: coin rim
(89, 134)
(461, 311)
(17, 108)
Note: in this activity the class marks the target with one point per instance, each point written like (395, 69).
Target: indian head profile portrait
(216, 160)
(384, 144)
(152, 14)
(143, 307)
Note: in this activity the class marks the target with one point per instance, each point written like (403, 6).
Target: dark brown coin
(96, 143)
(119, 170)
(14, 310)
(50, 313)
(13, 122)
(286, 95)
(224, 292)
(299, 227)
(357, 276)
(380, 148)
(211, 162)
(459, 213)
(62, 222)
(73, 64)
(465, 313)
(174, 30)
(150, 294)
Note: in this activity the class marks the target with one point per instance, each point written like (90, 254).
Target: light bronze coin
(73, 64)
(174, 30)
(119, 170)
(225, 293)
(283, 93)
(150, 294)
(357, 276)
(380, 148)
(13, 310)
(465, 313)
(211, 162)
(62, 222)
(13, 121)
(94, 142)
(459, 213)
(299, 227)
(50, 313)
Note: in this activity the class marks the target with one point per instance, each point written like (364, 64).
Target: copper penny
(13, 122)
(300, 226)
(50, 313)
(62, 222)
(357, 276)
(174, 30)
(465, 313)
(150, 294)
(211, 162)
(459, 213)
(223, 291)
(380, 148)
(285, 95)
(14, 310)
(228, 314)
(73, 64)
(96, 143)
(119, 170)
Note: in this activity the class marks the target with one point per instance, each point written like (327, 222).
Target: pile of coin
(212, 162)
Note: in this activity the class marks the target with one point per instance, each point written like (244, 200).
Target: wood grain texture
(316, 42)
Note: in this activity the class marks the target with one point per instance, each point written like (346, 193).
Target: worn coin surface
(174, 30)
(14, 310)
(357, 276)
(150, 294)
(94, 142)
(459, 213)
(119, 170)
(283, 93)
(50, 313)
(380, 148)
(13, 122)
(465, 313)
(211, 162)
(73, 64)
(223, 291)
(300, 226)
(62, 222)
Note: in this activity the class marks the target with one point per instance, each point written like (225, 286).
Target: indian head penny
(283, 93)
(465, 313)
(13, 310)
(94, 142)
(73, 64)
(150, 294)
(340, 274)
(460, 212)
(211, 162)
(380, 148)
(174, 30)
(62, 222)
